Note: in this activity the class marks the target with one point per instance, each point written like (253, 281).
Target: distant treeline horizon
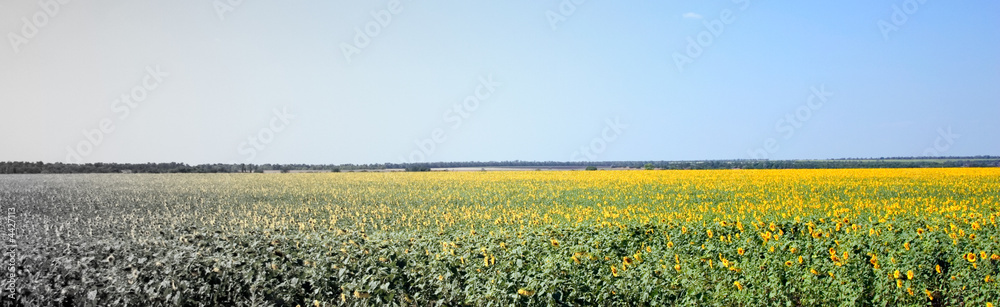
(174, 167)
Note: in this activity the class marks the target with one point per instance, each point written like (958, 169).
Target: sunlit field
(722, 237)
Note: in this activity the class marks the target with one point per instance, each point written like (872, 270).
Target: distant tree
(417, 168)
(591, 168)
(648, 166)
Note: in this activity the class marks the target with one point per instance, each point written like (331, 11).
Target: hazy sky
(413, 80)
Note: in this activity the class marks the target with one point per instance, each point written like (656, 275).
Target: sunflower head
(970, 257)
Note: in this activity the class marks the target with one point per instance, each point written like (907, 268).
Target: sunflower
(930, 295)
(555, 243)
(970, 257)
(738, 285)
(614, 271)
(740, 251)
(937, 268)
(788, 263)
(895, 274)
(626, 261)
(525, 292)
(677, 267)
(909, 274)
(906, 245)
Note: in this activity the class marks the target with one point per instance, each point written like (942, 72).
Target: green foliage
(162, 240)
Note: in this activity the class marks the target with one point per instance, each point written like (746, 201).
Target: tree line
(174, 167)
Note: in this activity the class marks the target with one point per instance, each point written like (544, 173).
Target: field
(722, 237)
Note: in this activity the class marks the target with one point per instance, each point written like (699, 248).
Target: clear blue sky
(201, 78)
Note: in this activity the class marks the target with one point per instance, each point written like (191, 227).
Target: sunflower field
(855, 237)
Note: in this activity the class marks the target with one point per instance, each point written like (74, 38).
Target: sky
(333, 82)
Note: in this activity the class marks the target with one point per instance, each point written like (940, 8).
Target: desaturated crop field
(726, 237)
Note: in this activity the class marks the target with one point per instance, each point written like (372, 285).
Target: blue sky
(269, 82)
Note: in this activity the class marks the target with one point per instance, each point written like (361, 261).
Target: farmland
(708, 237)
